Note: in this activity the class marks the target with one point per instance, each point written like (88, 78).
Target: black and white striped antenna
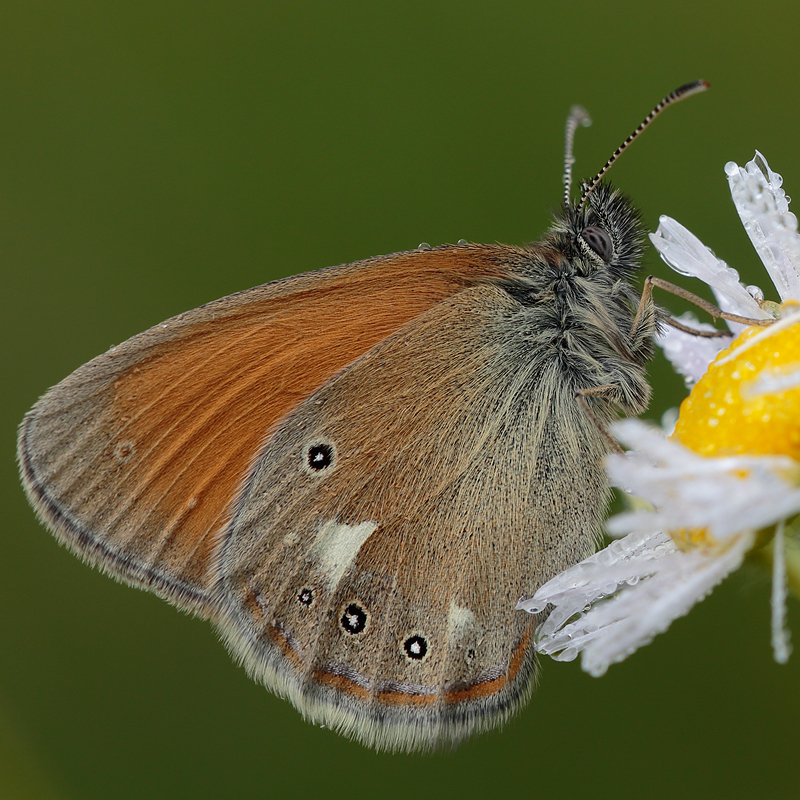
(681, 93)
(578, 115)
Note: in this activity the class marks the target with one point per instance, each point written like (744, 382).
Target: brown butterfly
(355, 473)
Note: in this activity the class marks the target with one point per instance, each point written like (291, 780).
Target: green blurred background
(157, 155)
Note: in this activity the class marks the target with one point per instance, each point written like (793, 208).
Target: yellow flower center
(692, 538)
(748, 402)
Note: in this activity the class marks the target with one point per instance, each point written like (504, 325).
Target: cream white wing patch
(460, 622)
(337, 545)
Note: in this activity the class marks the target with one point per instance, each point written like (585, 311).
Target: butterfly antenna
(687, 90)
(577, 116)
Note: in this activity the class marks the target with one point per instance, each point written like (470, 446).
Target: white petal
(771, 381)
(724, 495)
(781, 647)
(623, 562)
(686, 254)
(600, 574)
(615, 628)
(730, 307)
(764, 210)
(690, 355)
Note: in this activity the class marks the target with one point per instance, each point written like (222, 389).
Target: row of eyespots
(355, 619)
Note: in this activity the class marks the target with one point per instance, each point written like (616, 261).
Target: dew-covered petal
(623, 562)
(686, 254)
(614, 628)
(690, 355)
(685, 488)
(764, 210)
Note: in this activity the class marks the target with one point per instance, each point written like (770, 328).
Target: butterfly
(355, 473)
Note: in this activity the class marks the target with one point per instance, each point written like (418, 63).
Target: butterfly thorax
(577, 304)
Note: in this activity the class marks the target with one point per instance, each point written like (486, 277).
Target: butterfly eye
(599, 241)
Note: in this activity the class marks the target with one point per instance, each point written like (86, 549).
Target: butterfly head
(604, 235)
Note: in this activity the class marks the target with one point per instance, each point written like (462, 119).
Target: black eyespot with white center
(599, 241)
(306, 597)
(354, 619)
(319, 456)
(415, 647)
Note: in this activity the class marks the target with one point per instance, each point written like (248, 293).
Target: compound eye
(599, 241)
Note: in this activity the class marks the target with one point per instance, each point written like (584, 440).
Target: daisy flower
(728, 479)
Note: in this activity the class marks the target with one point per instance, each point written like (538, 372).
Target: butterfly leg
(646, 308)
(674, 323)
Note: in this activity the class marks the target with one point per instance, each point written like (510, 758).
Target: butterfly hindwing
(371, 567)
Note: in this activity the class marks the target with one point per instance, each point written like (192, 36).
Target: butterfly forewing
(135, 459)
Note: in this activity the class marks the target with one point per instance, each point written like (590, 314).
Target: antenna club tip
(695, 87)
(680, 93)
(580, 115)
